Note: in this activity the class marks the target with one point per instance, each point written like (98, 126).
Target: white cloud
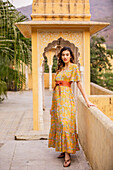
(20, 3)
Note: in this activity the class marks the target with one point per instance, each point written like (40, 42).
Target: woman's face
(66, 56)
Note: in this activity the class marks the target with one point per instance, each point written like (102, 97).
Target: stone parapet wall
(46, 80)
(98, 90)
(103, 103)
(95, 132)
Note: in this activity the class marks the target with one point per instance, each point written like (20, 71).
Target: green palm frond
(15, 50)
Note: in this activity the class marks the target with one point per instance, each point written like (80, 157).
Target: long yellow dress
(63, 136)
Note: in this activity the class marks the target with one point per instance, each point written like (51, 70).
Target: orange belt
(62, 83)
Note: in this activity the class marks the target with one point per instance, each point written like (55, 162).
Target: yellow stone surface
(50, 54)
(103, 99)
(35, 65)
(86, 61)
(95, 132)
(61, 10)
(46, 80)
(46, 37)
(105, 104)
(30, 81)
(98, 90)
(79, 38)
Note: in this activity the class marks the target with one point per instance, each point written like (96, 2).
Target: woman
(63, 136)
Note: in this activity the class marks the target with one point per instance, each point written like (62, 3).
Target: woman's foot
(62, 155)
(67, 161)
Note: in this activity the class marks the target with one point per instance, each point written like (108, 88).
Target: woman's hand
(79, 85)
(90, 104)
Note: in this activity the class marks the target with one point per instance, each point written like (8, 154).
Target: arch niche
(58, 44)
(52, 49)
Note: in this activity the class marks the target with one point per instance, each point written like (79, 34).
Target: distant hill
(100, 11)
(26, 10)
(103, 11)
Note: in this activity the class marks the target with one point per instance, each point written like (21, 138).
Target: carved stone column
(50, 77)
(43, 89)
(40, 97)
(49, 55)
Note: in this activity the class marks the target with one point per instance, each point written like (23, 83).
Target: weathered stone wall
(103, 103)
(98, 90)
(95, 132)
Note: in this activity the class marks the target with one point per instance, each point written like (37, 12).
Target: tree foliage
(3, 89)
(101, 68)
(46, 68)
(15, 50)
(107, 80)
(54, 67)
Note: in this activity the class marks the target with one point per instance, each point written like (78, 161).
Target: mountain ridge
(100, 11)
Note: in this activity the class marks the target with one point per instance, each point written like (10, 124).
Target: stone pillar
(43, 89)
(49, 55)
(86, 37)
(40, 97)
(50, 77)
(35, 77)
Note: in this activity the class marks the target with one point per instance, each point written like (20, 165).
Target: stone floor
(15, 117)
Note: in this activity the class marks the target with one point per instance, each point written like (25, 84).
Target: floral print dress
(63, 136)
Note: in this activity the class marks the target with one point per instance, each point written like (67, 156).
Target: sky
(21, 3)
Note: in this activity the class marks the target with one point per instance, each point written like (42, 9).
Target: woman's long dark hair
(61, 64)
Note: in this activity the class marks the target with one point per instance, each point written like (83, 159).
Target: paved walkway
(16, 114)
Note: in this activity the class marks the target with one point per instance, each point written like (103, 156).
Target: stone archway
(55, 47)
(58, 44)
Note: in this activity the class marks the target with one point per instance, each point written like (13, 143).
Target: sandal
(66, 162)
(62, 155)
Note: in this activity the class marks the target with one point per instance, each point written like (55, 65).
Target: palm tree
(15, 50)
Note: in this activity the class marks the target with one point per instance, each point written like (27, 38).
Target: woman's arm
(79, 85)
